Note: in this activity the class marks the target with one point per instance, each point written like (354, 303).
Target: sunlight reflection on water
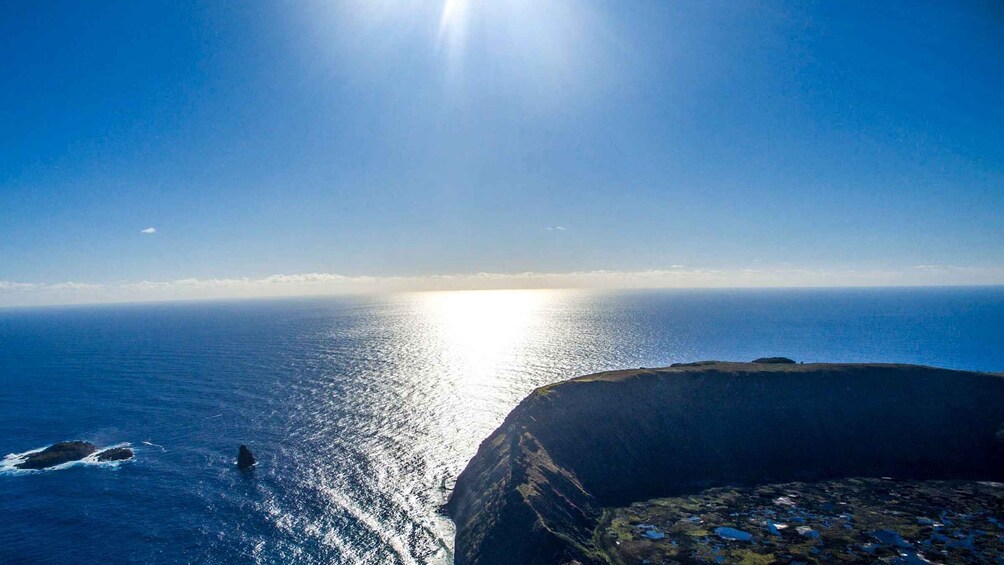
(359, 409)
(402, 417)
(458, 362)
(439, 373)
(441, 370)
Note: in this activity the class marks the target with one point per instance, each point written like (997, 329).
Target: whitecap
(7, 464)
(151, 444)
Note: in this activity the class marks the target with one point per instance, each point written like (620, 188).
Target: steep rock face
(517, 505)
(536, 488)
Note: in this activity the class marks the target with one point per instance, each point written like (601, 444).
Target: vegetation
(848, 520)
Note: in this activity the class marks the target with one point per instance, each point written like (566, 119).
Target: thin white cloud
(303, 284)
(555, 228)
(148, 230)
(70, 285)
(10, 286)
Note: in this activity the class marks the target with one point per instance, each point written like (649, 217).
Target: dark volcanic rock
(245, 460)
(115, 454)
(536, 490)
(57, 454)
(772, 360)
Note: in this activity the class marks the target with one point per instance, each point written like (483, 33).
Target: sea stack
(245, 460)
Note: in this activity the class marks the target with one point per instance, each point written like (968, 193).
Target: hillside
(538, 486)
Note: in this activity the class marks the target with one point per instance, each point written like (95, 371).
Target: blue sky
(810, 142)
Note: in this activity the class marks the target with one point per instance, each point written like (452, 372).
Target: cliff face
(536, 488)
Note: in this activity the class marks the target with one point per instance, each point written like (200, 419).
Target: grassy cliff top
(743, 368)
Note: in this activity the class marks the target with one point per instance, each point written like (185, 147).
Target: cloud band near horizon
(306, 284)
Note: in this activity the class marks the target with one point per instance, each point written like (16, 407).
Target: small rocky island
(767, 462)
(115, 454)
(68, 451)
(245, 459)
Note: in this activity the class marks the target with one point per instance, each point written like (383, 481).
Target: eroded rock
(245, 460)
(57, 454)
(115, 454)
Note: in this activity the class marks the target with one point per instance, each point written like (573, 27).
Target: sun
(454, 14)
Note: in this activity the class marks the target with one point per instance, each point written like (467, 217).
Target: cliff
(536, 489)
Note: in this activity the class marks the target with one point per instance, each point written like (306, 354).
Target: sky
(155, 150)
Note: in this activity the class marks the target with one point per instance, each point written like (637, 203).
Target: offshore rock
(115, 454)
(245, 460)
(536, 490)
(57, 454)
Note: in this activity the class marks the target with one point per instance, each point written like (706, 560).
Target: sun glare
(453, 18)
(480, 331)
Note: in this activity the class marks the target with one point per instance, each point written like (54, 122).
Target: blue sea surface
(362, 411)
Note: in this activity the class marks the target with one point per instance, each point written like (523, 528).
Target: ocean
(362, 411)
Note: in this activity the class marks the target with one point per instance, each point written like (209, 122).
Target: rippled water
(359, 410)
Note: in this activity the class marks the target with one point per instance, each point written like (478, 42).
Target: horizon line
(265, 298)
(20, 294)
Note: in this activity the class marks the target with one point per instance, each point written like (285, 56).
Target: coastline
(536, 490)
